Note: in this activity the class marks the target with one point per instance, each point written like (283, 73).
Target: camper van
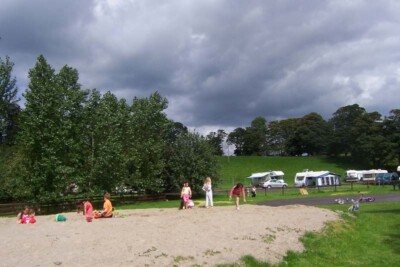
(316, 178)
(353, 175)
(259, 178)
(370, 175)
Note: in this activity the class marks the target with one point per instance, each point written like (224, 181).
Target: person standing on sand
(236, 191)
(209, 195)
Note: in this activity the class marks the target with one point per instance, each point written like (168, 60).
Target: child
(23, 214)
(236, 191)
(186, 194)
(190, 204)
(253, 191)
(88, 209)
(209, 195)
(30, 219)
(107, 211)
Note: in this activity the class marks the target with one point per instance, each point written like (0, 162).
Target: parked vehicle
(370, 175)
(316, 178)
(353, 175)
(274, 183)
(385, 178)
(259, 178)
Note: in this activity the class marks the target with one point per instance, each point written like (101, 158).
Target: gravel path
(314, 201)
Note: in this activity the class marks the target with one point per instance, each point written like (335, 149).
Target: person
(236, 191)
(253, 191)
(107, 211)
(190, 204)
(23, 214)
(88, 210)
(30, 219)
(208, 189)
(186, 194)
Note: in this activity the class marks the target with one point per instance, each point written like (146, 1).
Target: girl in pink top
(236, 191)
(88, 210)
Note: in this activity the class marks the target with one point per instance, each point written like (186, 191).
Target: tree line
(69, 135)
(364, 137)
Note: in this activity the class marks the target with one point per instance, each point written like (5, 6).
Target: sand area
(161, 237)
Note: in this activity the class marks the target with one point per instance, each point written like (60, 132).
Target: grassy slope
(236, 169)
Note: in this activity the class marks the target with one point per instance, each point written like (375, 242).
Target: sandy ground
(161, 237)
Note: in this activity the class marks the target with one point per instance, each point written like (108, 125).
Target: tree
(343, 129)
(8, 102)
(255, 138)
(50, 131)
(278, 136)
(310, 135)
(237, 138)
(216, 139)
(189, 158)
(148, 132)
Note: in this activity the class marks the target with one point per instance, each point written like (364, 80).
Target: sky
(220, 63)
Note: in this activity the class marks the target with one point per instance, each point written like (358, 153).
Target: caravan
(353, 175)
(316, 178)
(257, 179)
(370, 176)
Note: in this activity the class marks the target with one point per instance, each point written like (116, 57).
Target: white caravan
(260, 177)
(370, 175)
(354, 175)
(316, 178)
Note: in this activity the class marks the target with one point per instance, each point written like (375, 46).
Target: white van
(259, 178)
(316, 178)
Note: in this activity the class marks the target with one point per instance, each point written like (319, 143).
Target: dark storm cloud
(219, 63)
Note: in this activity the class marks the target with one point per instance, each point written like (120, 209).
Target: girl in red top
(30, 219)
(88, 209)
(236, 191)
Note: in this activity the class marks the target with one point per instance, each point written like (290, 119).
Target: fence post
(283, 191)
(265, 191)
(351, 185)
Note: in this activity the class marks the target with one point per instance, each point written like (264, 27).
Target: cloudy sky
(219, 63)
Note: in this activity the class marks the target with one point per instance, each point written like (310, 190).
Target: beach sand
(161, 237)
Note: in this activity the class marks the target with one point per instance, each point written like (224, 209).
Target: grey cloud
(219, 63)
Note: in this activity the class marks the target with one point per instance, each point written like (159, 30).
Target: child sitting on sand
(23, 214)
(107, 211)
(30, 219)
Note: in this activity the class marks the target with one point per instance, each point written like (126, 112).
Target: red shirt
(28, 220)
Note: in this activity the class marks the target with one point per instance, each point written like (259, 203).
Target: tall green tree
(255, 141)
(216, 140)
(148, 132)
(344, 130)
(48, 136)
(279, 134)
(8, 102)
(310, 136)
(237, 138)
(189, 158)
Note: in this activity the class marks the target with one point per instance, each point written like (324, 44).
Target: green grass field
(369, 237)
(236, 169)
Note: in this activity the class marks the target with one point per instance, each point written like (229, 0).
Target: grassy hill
(236, 169)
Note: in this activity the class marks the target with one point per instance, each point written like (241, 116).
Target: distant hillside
(236, 169)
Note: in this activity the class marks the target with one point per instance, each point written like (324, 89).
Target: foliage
(8, 102)
(215, 139)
